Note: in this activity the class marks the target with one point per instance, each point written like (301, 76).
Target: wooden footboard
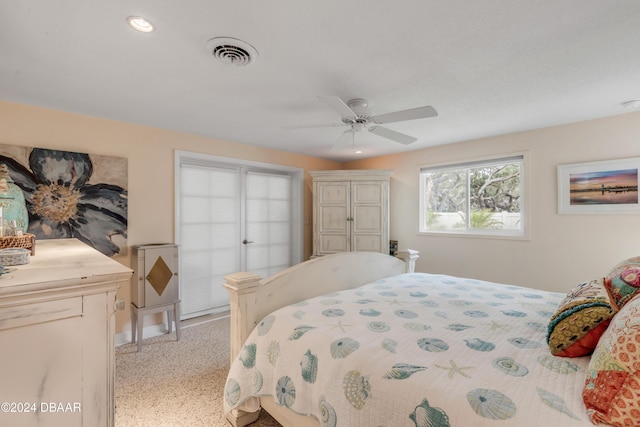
(252, 298)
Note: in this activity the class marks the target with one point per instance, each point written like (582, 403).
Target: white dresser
(57, 356)
(350, 211)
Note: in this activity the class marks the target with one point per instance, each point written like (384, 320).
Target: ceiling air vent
(231, 51)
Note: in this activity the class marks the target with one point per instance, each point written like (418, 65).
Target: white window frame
(519, 234)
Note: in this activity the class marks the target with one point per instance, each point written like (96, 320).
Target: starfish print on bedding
(396, 302)
(455, 369)
(495, 325)
(340, 325)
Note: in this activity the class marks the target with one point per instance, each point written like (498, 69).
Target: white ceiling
(489, 67)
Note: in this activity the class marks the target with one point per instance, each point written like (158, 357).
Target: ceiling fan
(355, 114)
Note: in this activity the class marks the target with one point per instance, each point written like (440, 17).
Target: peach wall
(561, 249)
(150, 154)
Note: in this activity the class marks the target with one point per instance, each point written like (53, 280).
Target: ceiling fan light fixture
(141, 24)
(633, 103)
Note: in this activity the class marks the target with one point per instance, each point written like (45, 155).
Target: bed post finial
(409, 256)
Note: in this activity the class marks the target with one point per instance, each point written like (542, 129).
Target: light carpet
(176, 383)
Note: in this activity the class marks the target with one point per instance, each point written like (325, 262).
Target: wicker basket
(27, 241)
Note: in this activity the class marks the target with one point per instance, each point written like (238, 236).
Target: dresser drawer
(47, 311)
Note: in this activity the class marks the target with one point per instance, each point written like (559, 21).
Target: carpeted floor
(176, 384)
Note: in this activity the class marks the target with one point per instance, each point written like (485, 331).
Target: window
(481, 198)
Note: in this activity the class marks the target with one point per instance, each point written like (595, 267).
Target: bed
(361, 339)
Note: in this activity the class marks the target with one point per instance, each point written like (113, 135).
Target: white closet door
(229, 219)
(268, 223)
(210, 241)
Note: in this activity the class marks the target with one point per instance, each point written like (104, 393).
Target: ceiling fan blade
(338, 105)
(411, 114)
(392, 134)
(320, 125)
(343, 142)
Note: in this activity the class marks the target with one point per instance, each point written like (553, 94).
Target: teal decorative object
(12, 201)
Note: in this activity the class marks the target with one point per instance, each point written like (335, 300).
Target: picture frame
(602, 187)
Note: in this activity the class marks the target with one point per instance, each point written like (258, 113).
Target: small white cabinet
(350, 211)
(154, 286)
(57, 356)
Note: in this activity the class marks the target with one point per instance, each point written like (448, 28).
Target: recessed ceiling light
(358, 152)
(634, 103)
(140, 24)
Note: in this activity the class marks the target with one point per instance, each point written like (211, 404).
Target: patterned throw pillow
(623, 281)
(580, 320)
(612, 387)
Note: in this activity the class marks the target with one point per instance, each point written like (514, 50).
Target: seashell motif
(343, 347)
(546, 314)
(558, 365)
(532, 296)
(524, 342)
(514, 313)
(365, 301)
(371, 312)
(457, 327)
(266, 324)
(309, 366)
(460, 303)
(328, 416)
(300, 331)
(333, 312)
(285, 391)
(510, 367)
(401, 371)
(389, 345)
(416, 327)
(248, 355)
(388, 294)
(429, 303)
(537, 326)
(442, 314)
(448, 295)
(273, 352)
(378, 326)
(491, 404)
(426, 416)
(555, 402)
(257, 382)
(475, 313)
(300, 304)
(331, 301)
(232, 392)
(406, 314)
(356, 389)
(333, 294)
(503, 296)
(434, 345)
(418, 294)
(449, 282)
(299, 314)
(479, 345)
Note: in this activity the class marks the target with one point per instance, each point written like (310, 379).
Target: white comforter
(414, 350)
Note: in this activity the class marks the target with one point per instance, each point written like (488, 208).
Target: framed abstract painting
(72, 195)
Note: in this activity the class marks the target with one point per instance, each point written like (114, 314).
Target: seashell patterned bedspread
(414, 350)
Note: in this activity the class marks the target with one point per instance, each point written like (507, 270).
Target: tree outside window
(473, 198)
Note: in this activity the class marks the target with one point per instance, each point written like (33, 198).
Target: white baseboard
(147, 332)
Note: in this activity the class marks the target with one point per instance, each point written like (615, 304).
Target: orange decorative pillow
(581, 318)
(612, 387)
(623, 281)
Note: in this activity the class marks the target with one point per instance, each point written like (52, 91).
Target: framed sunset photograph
(599, 187)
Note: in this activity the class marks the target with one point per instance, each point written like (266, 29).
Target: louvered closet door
(230, 219)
